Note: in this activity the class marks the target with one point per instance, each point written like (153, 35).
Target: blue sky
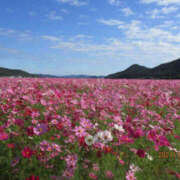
(95, 37)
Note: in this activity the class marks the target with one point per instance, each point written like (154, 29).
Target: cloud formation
(127, 11)
(162, 2)
(53, 16)
(110, 22)
(74, 2)
(161, 12)
(114, 2)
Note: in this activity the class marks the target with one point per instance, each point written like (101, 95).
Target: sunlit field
(84, 129)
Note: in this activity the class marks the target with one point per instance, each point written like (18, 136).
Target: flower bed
(89, 129)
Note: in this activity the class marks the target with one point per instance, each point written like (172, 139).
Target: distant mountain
(130, 72)
(5, 72)
(46, 76)
(68, 76)
(170, 70)
(81, 76)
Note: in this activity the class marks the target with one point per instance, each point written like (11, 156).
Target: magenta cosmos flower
(27, 152)
(141, 153)
(40, 129)
(3, 136)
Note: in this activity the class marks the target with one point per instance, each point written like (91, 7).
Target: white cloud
(159, 13)
(73, 2)
(52, 15)
(86, 47)
(110, 22)
(81, 37)
(138, 42)
(136, 48)
(82, 23)
(114, 2)
(9, 50)
(127, 11)
(166, 24)
(137, 31)
(65, 11)
(162, 2)
(148, 41)
(154, 14)
(19, 35)
(6, 32)
(168, 10)
(50, 38)
(25, 36)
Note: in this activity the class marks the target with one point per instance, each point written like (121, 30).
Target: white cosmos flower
(151, 126)
(172, 149)
(119, 128)
(107, 137)
(89, 140)
(149, 157)
(134, 168)
(98, 137)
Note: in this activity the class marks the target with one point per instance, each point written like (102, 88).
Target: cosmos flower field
(89, 129)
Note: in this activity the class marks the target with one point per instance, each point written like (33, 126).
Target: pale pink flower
(109, 174)
(79, 131)
(130, 176)
(95, 167)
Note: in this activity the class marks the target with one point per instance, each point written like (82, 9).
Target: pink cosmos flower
(71, 160)
(138, 133)
(133, 150)
(92, 175)
(109, 174)
(177, 137)
(85, 123)
(3, 136)
(95, 167)
(19, 122)
(151, 135)
(125, 139)
(1, 129)
(40, 129)
(44, 145)
(121, 162)
(34, 121)
(130, 176)
(54, 122)
(178, 175)
(11, 146)
(14, 161)
(56, 147)
(161, 141)
(85, 166)
(79, 131)
(68, 173)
